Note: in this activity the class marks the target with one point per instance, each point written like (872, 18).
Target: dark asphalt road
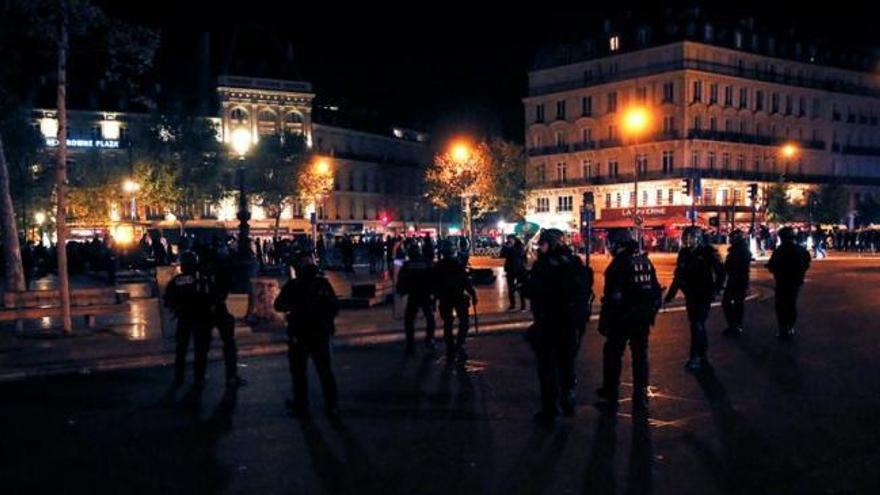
(772, 418)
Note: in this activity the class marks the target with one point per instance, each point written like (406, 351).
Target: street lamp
(461, 153)
(40, 219)
(789, 151)
(131, 187)
(636, 122)
(241, 143)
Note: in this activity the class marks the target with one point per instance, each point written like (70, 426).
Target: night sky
(442, 67)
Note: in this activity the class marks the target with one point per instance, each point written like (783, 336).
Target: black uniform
(217, 271)
(559, 287)
(311, 307)
(415, 281)
(514, 271)
(736, 266)
(789, 264)
(188, 296)
(699, 274)
(455, 292)
(630, 303)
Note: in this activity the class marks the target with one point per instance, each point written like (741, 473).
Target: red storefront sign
(652, 216)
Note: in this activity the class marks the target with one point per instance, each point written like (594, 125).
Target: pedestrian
(415, 280)
(631, 300)
(788, 264)
(736, 267)
(217, 269)
(559, 287)
(311, 307)
(187, 296)
(699, 274)
(514, 256)
(455, 294)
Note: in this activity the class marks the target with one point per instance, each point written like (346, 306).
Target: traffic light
(686, 187)
(753, 192)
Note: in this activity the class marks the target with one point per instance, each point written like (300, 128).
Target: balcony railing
(585, 145)
(826, 84)
(737, 137)
(549, 150)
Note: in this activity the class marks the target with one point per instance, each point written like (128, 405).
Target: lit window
(614, 43)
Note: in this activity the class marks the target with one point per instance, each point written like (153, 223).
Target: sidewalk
(145, 336)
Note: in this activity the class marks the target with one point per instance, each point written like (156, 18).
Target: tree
(506, 191)
(779, 207)
(490, 177)
(184, 148)
(273, 170)
(830, 204)
(95, 187)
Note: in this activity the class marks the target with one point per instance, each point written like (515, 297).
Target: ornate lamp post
(461, 153)
(241, 143)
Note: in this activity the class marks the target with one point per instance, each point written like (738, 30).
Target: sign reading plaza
(85, 143)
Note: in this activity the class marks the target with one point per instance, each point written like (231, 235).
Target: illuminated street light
(636, 122)
(322, 166)
(130, 186)
(40, 218)
(789, 150)
(241, 141)
(460, 152)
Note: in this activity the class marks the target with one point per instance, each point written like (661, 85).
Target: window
(564, 203)
(561, 172)
(668, 92)
(802, 106)
(759, 101)
(587, 134)
(744, 97)
(632, 199)
(670, 196)
(644, 198)
(713, 124)
(756, 167)
(698, 91)
(668, 162)
(737, 196)
(725, 196)
(642, 163)
(698, 122)
(612, 132)
(617, 200)
(607, 200)
(543, 205)
(738, 40)
(695, 159)
(725, 161)
(541, 173)
(774, 103)
(587, 169)
(539, 113)
(789, 105)
(740, 163)
(560, 138)
(668, 125)
(612, 168)
(642, 94)
(612, 102)
(708, 196)
(728, 125)
(710, 160)
(614, 43)
(817, 108)
(586, 106)
(659, 197)
(560, 110)
(728, 96)
(713, 94)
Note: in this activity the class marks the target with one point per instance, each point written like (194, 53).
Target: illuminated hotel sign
(85, 143)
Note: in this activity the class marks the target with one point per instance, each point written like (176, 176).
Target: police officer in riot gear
(188, 297)
(415, 281)
(216, 269)
(699, 274)
(788, 264)
(311, 307)
(455, 294)
(559, 287)
(736, 266)
(630, 303)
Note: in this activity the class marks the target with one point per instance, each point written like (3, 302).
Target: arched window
(238, 116)
(293, 123)
(266, 122)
